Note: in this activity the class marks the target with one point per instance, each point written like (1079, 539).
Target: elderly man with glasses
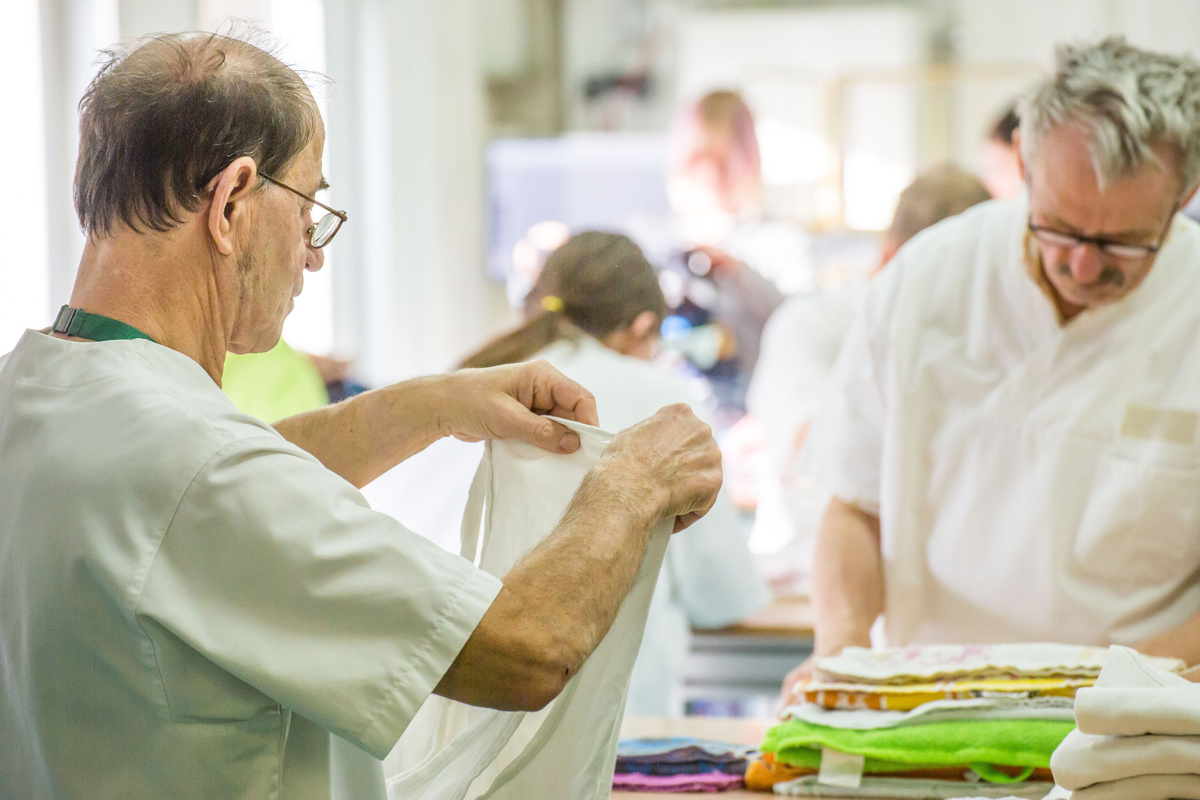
(1013, 435)
(193, 603)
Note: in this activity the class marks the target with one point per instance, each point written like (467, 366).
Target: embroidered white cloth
(925, 663)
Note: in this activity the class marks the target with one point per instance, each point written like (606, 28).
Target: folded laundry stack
(922, 721)
(1138, 735)
(681, 764)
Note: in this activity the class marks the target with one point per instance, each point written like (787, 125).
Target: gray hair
(1127, 99)
(165, 116)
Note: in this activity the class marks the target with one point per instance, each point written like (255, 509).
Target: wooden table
(790, 617)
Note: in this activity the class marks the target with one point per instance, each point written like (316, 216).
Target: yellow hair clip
(552, 304)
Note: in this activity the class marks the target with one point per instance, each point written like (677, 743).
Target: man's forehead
(1063, 178)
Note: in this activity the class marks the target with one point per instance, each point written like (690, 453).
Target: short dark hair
(163, 118)
(1002, 130)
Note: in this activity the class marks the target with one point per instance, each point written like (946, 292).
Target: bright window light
(25, 296)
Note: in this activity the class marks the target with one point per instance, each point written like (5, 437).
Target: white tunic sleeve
(844, 449)
(275, 574)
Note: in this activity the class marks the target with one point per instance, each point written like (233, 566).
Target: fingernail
(569, 442)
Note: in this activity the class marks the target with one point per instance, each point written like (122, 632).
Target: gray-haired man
(1015, 454)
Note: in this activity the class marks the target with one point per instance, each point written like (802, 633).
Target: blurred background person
(732, 266)
(594, 313)
(799, 347)
(999, 162)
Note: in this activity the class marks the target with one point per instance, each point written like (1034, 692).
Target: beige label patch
(1174, 425)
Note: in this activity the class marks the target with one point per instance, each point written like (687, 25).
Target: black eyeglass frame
(341, 216)
(1118, 250)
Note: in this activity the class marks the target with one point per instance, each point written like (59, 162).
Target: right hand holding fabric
(673, 459)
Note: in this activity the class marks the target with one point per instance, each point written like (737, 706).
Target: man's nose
(1085, 263)
(315, 259)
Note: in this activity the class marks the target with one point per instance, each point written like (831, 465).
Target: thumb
(545, 433)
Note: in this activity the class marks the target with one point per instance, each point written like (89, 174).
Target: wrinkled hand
(514, 402)
(670, 459)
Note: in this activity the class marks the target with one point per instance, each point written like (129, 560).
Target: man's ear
(231, 189)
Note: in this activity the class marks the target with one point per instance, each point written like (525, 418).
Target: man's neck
(157, 284)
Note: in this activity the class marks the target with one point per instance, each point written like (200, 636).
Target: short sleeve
(276, 571)
(844, 449)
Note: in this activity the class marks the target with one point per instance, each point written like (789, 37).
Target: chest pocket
(1140, 526)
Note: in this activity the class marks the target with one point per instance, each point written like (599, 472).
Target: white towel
(1138, 735)
(1083, 759)
(1133, 696)
(1144, 787)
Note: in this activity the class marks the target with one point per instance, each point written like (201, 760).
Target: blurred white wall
(409, 113)
(986, 33)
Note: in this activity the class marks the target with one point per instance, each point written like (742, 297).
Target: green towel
(975, 743)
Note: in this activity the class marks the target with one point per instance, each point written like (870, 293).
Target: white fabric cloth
(1034, 481)
(189, 604)
(927, 663)
(872, 788)
(1139, 730)
(1083, 760)
(971, 710)
(1144, 787)
(1135, 696)
(568, 749)
(708, 579)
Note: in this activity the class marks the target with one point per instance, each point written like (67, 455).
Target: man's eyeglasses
(321, 232)
(1117, 250)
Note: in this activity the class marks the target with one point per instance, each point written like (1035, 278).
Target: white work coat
(189, 604)
(1034, 480)
(707, 580)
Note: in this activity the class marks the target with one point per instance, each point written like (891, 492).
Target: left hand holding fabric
(514, 402)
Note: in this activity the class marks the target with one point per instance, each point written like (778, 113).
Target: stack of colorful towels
(1138, 735)
(919, 721)
(681, 764)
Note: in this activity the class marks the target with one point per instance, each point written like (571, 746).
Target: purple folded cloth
(704, 782)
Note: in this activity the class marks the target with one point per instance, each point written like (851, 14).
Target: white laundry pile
(1138, 735)
(919, 721)
(568, 749)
